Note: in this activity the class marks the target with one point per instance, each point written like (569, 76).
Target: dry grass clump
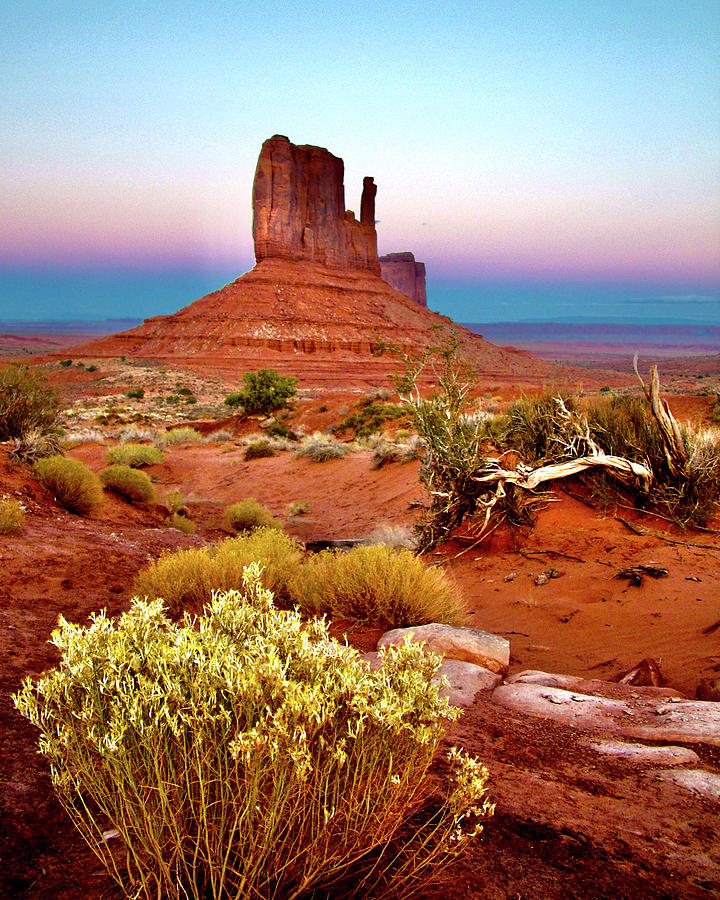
(135, 455)
(183, 434)
(12, 516)
(259, 449)
(249, 514)
(319, 448)
(79, 436)
(131, 484)
(75, 487)
(396, 536)
(248, 754)
(380, 586)
(189, 577)
(181, 523)
(36, 444)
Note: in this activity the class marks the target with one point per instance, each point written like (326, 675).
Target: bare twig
(646, 532)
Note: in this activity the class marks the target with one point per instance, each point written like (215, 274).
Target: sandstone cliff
(299, 209)
(404, 274)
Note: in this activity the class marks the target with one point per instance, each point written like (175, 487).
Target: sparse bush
(378, 586)
(130, 433)
(36, 444)
(370, 418)
(269, 761)
(27, 402)
(130, 483)
(386, 452)
(396, 536)
(249, 514)
(259, 449)
(181, 522)
(279, 430)
(66, 363)
(12, 516)
(135, 455)
(183, 434)
(217, 437)
(263, 391)
(75, 487)
(320, 449)
(175, 502)
(92, 368)
(189, 577)
(135, 393)
(299, 508)
(79, 436)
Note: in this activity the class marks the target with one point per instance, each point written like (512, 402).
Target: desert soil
(569, 822)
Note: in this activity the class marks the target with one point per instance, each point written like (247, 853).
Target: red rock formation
(299, 209)
(404, 274)
(314, 305)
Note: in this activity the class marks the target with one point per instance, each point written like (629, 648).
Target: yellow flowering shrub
(247, 754)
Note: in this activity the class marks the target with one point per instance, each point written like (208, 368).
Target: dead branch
(675, 452)
(646, 532)
(623, 468)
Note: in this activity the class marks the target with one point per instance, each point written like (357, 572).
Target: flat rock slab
(642, 753)
(643, 716)
(465, 679)
(705, 783)
(465, 644)
(591, 686)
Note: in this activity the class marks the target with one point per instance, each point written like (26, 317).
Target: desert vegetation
(188, 578)
(73, 485)
(135, 455)
(263, 391)
(248, 514)
(130, 483)
(12, 516)
(379, 586)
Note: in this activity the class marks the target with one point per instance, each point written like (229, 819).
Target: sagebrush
(188, 578)
(378, 585)
(130, 483)
(74, 486)
(248, 754)
(248, 514)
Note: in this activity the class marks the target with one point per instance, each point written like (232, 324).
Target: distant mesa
(315, 304)
(404, 274)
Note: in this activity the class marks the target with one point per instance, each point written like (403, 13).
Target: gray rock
(705, 783)
(664, 756)
(466, 644)
(643, 715)
(465, 680)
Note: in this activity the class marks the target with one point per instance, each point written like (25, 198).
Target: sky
(528, 142)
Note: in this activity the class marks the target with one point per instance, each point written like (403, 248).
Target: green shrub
(378, 586)
(263, 391)
(12, 516)
(279, 430)
(183, 434)
(131, 484)
(92, 368)
(189, 577)
(299, 508)
(319, 449)
(136, 393)
(250, 755)
(135, 455)
(27, 402)
(75, 487)
(181, 523)
(370, 418)
(66, 363)
(259, 449)
(249, 514)
(175, 502)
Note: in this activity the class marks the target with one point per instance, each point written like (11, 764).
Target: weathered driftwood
(673, 445)
(622, 468)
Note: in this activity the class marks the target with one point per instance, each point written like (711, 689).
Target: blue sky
(528, 141)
